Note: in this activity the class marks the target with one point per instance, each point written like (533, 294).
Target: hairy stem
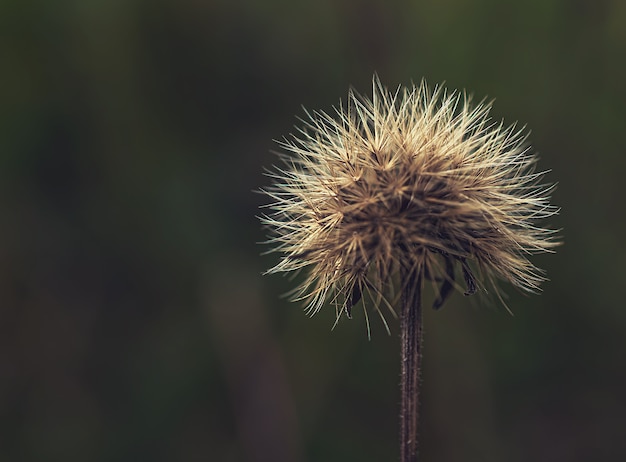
(411, 356)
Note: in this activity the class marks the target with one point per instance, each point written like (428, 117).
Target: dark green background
(134, 322)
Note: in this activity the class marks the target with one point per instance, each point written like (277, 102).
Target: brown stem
(411, 346)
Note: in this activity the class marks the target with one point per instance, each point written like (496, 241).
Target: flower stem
(411, 356)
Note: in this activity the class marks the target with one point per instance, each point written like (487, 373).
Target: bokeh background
(134, 320)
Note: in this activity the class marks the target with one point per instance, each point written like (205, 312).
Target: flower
(417, 179)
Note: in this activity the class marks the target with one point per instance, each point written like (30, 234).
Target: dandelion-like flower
(415, 181)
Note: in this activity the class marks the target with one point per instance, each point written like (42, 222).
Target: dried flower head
(415, 179)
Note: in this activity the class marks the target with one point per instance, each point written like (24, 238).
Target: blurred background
(134, 320)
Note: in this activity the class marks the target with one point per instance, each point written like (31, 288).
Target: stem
(411, 355)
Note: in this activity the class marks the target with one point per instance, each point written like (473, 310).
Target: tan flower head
(416, 179)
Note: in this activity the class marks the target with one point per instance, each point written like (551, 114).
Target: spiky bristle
(416, 179)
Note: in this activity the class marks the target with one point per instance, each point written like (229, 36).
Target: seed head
(416, 179)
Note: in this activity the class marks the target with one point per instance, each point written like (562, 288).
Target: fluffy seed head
(418, 179)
